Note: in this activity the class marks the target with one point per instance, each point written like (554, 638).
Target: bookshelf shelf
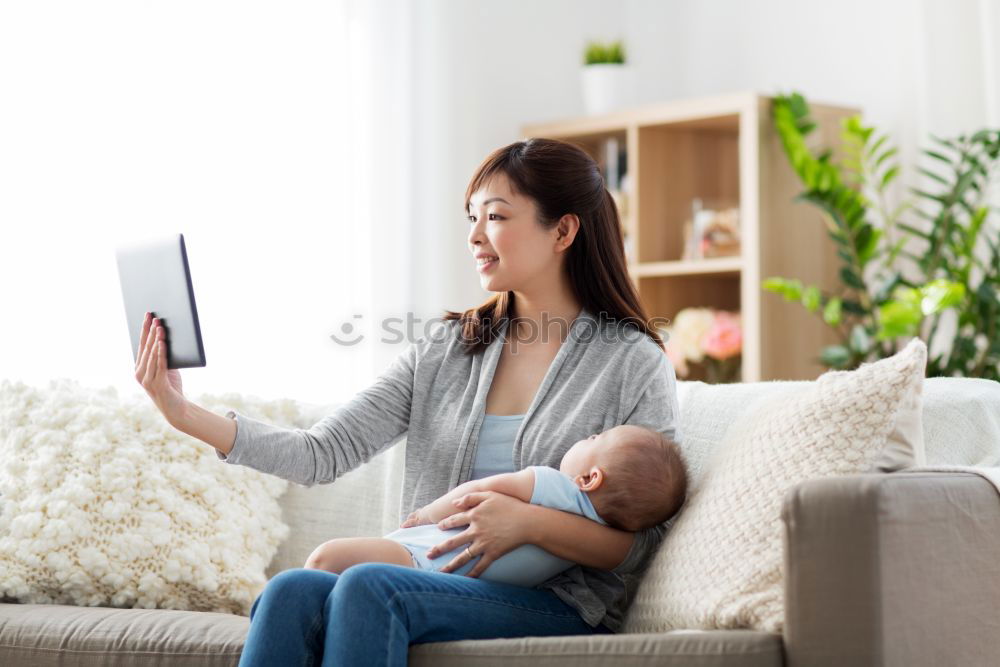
(706, 266)
(718, 149)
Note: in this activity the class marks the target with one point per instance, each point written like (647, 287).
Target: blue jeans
(371, 613)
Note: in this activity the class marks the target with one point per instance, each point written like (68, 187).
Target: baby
(628, 477)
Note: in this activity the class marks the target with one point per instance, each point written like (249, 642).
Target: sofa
(879, 569)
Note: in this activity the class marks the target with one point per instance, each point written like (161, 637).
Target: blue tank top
(495, 447)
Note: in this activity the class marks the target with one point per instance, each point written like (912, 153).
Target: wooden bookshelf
(721, 148)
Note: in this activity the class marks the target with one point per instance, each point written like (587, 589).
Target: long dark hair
(562, 178)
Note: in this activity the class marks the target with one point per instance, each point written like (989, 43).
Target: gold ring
(469, 552)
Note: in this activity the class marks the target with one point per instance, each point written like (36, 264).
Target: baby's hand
(416, 518)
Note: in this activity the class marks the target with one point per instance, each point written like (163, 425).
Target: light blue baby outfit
(527, 565)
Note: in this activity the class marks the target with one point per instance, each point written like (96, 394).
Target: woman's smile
(486, 261)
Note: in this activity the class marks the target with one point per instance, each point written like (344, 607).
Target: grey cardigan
(603, 375)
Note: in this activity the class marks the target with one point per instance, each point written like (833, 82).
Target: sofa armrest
(892, 569)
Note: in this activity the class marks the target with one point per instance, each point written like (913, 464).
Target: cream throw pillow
(105, 504)
(721, 564)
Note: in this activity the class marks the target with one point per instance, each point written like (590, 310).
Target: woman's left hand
(496, 524)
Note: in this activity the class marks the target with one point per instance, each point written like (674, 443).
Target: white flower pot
(607, 87)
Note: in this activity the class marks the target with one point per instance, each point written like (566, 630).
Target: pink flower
(725, 338)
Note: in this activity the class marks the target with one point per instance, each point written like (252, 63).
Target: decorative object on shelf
(607, 81)
(953, 278)
(712, 231)
(710, 338)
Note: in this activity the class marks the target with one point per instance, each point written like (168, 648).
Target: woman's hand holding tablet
(156, 283)
(163, 386)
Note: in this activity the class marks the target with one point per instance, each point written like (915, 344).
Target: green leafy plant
(599, 52)
(902, 268)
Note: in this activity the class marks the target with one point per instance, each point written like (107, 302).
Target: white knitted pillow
(105, 504)
(720, 566)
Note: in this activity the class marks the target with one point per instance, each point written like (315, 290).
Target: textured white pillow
(105, 504)
(720, 566)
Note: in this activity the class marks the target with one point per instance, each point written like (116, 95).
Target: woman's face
(518, 253)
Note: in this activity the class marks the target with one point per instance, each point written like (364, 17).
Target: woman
(561, 351)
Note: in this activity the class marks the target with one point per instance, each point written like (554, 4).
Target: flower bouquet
(710, 340)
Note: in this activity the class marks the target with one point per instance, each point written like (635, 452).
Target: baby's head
(634, 476)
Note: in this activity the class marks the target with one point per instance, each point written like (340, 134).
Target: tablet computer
(155, 277)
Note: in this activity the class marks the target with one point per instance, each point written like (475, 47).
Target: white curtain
(275, 136)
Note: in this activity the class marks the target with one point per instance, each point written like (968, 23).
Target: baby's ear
(592, 480)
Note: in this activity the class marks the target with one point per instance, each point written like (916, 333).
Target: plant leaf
(937, 156)
(832, 311)
(878, 144)
(859, 341)
(930, 174)
(910, 229)
(835, 356)
(940, 294)
(897, 319)
(851, 278)
(867, 248)
(889, 174)
(791, 290)
(811, 298)
(884, 156)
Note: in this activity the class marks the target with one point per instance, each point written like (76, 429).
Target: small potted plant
(606, 79)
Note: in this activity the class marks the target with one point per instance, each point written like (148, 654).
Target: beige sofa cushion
(40, 635)
(720, 565)
(51, 635)
(684, 648)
